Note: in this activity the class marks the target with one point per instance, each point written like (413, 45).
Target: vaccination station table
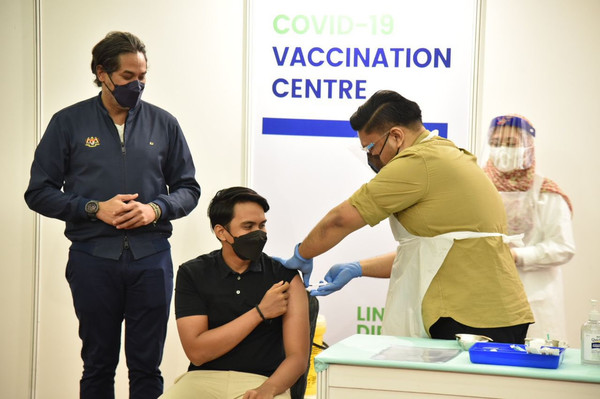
(379, 366)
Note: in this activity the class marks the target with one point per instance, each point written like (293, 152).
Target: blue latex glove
(297, 262)
(338, 276)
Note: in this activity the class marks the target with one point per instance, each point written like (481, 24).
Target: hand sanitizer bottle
(590, 337)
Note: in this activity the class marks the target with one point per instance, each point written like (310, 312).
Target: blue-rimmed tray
(508, 355)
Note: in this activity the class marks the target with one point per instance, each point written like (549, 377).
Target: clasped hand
(123, 212)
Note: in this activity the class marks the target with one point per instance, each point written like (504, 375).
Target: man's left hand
(297, 262)
(265, 391)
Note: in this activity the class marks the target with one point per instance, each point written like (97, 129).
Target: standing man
(117, 169)
(453, 271)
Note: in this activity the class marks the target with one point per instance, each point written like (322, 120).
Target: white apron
(417, 261)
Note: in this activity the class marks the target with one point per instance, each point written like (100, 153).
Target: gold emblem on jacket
(92, 142)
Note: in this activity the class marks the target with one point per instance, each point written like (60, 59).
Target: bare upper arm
(295, 321)
(348, 217)
(333, 228)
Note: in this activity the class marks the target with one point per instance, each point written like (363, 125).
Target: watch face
(91, 207)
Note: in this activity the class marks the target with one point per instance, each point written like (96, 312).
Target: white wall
(17, 138)
(539, 60)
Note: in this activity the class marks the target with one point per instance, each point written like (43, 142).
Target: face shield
(510, 143)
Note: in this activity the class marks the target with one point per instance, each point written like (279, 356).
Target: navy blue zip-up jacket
(81, 158)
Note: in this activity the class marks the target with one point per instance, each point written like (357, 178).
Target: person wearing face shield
(452, 271)
(242, 317)
(537, 208)
(117, 170)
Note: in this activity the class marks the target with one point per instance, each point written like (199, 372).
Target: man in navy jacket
(117, 169)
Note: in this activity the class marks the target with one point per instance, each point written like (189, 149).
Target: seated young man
(242, 317)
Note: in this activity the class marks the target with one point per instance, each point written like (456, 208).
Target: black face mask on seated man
(249, 246)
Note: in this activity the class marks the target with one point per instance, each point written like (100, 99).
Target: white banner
(310, 65)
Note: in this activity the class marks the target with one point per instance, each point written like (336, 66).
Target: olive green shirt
(432, 188)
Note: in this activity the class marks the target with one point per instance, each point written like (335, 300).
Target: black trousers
(446, 328)
(107, 292)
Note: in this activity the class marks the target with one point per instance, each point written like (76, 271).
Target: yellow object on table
(317, 347)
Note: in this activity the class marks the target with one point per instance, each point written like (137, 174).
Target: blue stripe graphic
(307, 127)
(324, 128)
(442, 128)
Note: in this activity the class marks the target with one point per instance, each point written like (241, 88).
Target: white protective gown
(545, 220)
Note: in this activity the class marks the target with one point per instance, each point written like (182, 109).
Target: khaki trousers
(213, 384)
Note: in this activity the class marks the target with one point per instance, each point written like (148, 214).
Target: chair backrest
(299, 388)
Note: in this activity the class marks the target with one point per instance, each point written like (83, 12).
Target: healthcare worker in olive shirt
(117, 169)
(453, 271)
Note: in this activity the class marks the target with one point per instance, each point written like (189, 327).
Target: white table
(347, 370)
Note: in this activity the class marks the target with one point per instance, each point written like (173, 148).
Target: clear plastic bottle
(590, 337)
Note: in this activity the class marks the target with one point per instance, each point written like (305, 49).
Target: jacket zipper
(123, 154)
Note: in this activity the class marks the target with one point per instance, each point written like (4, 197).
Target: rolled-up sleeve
(400, 184)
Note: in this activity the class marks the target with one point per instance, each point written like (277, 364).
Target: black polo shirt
(207, 286)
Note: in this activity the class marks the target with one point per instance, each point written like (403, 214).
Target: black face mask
(128, 95)
(249, 246)
(374, 161)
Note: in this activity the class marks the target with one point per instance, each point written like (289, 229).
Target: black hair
(384, 110)
(107, 51)
(220, 210)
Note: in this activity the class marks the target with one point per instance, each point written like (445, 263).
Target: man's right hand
(337, 277)
(274, 302)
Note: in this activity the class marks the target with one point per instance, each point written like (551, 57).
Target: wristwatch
(91, 208)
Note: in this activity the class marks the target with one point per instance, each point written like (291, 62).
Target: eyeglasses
(369, 147)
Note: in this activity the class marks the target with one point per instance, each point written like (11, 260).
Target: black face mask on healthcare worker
(374, 160)
(128, 95)
(249, 246)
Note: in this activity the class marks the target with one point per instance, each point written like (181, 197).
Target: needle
(518, 348)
